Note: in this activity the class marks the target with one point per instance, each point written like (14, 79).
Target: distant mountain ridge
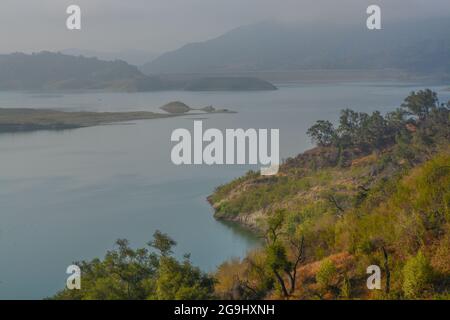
(415, 46)
(57, 71)
(133, 57)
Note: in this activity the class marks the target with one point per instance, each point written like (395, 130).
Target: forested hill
(375, 191)
(56, 71)
(46, 70)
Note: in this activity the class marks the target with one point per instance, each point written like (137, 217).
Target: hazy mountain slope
(56, 71)
(48, 70)
(417, 46)
(134, 57)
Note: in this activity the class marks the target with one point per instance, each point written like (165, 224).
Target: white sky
(160, 25)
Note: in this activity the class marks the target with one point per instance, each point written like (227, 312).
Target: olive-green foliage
(180, 281)
(140, 274)
(389, 202)
(276, 253)
(323, 133)
(375, 131)
(346, 289)
(421, 103)
(416, 276)
(263, 195)
(326, 275)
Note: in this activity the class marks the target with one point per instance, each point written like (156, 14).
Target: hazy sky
(160, 25)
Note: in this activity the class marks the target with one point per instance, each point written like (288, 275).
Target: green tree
(349, 128)
(140, 274)
(163, 243)
(181, 281)
(421, 103)
(278, 243)
(322, 133)
(326, 275)
(376, 132)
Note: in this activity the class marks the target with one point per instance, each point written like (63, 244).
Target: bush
(416, 276)
(327, 273)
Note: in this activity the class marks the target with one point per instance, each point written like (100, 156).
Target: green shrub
(327, 274)
(416, 276)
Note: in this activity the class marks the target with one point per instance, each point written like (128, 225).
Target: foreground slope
(376, 191)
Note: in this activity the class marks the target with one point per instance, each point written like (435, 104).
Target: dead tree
(299, 257)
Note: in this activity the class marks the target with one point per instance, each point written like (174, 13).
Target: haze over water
(67, 196)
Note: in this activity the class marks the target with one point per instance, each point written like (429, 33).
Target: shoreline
(14, 120)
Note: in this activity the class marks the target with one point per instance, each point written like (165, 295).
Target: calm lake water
(67, 196)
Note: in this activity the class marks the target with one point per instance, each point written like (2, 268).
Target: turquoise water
(67, 196)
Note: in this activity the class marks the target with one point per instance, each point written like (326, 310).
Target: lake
(66, 196)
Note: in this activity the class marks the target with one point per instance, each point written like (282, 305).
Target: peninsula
(22, 119)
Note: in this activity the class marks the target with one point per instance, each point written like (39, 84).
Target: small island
(177, 107)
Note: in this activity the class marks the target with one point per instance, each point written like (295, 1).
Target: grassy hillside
(381, 198)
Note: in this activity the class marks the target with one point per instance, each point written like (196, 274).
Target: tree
(322, 133)
(376, 132)
(277, 253)
(162, 242)
(181, 281)
(350, 125)
(326, 275)
(396, 119)
(421, 103)
(140, 274)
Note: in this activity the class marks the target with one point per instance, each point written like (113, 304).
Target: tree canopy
(138, 274)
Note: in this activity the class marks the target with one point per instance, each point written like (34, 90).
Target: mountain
(134, 57)
(413, 46)
(57, 71)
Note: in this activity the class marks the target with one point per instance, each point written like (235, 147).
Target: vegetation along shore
(374, 191)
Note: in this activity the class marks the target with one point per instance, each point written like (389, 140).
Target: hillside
(56, 71)
(418, 47)
(375, 191)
